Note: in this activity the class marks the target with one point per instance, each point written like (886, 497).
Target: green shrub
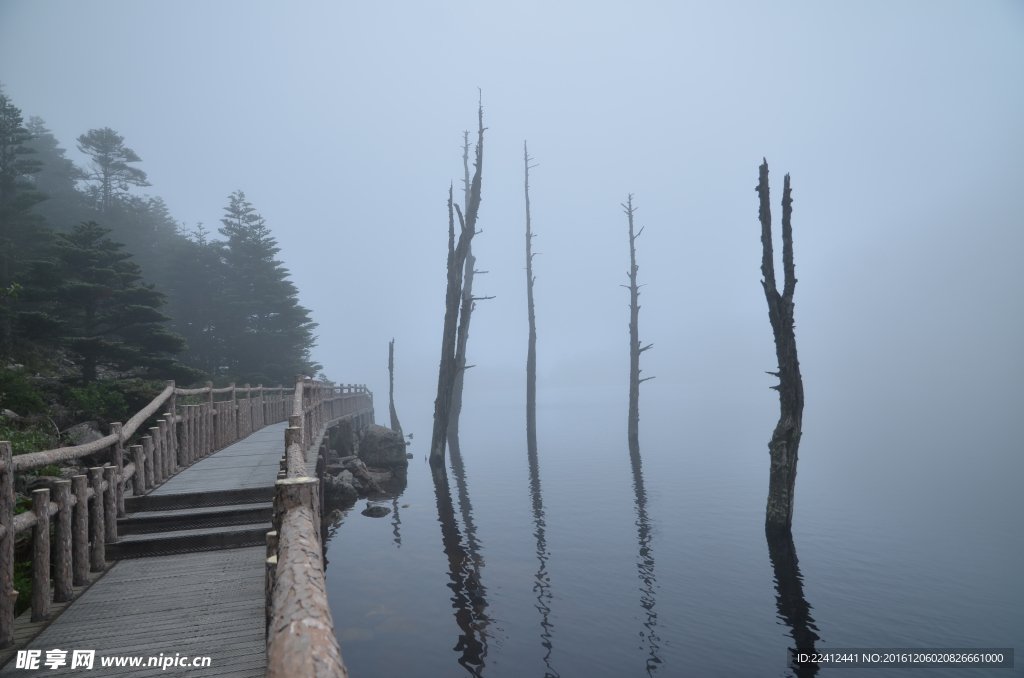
(20, 395)
(101, 400)
(28, 440)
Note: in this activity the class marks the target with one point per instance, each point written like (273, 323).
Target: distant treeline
(99, 283)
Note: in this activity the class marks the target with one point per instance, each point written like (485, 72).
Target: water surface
(583, 561)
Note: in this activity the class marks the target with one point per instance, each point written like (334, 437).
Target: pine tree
(58, 178)
(108, 322)
(194, 287)
(110, 168)
(23, 235)
(269, 334)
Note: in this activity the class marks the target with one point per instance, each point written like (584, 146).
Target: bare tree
(531, 350)
(457, 254)
(634, 335)
(395, 425)
(786, 437)
(466, 313)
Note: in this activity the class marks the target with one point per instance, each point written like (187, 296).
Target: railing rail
(300, 629)
(86, 507)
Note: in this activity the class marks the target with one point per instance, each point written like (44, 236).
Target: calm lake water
(587, 564)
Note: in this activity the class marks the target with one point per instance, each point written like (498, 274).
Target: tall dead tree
(634, 335)
(395, 425)
(786, 437)
(457, 253)
(531, 350)
(466, 312)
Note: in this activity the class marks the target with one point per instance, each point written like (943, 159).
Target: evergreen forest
(105, 294)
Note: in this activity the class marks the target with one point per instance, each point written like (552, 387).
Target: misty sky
(901, 123)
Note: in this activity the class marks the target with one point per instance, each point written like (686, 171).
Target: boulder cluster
(377, 469)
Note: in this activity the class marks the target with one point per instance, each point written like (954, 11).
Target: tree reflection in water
(794, 610)
(645, 566)
(542, 583)
(464, 565)
(396, 520)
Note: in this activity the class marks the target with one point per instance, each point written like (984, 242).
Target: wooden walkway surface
(196, 604)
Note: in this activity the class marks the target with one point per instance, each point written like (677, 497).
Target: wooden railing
(85, 508)
(300, 629)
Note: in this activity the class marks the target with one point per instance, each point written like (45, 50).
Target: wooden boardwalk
(195, 604)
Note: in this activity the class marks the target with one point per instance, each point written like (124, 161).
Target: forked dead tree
(457, 253)
(466, 312)
(786, 438)
(531, 350)
(395, 425)
(634, 335)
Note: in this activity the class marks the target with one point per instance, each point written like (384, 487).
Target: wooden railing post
(63, 584)
(80, 531)
(166, 452)
(181, 441)
(200, 432)
(211, 424)
(109, 505)
(292, 439)
(7, 592)
(193, 433)
(158, 457)
(246, 411)
(117, 452)
(139, 481)
(173, 421)
(97, 523)
(299, 404)
(41, 556)
(262, 415)
(148, 447)
(232, 420)
(185, 437)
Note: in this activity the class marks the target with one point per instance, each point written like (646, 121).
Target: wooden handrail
(300, 629)
(85, 508)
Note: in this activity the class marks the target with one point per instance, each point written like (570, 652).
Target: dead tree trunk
(457, 253)
(634, 335)
(395, 425)
(531, 350)
(466, 312)
(786, 437)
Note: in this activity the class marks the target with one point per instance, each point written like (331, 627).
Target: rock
(376, 511)
(69, 472)
(86, 432)
(346, 477)
(408, 455)
(343, 439)
(41, 483)
(13, 416)
(359, 470)
(381, 447)
(337, 491)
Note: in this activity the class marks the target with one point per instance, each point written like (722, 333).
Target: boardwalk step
(188, 541)
(203, 517)
(164, 502)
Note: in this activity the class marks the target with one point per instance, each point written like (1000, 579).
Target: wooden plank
(196, 604)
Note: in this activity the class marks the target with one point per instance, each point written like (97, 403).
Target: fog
(900, 125)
